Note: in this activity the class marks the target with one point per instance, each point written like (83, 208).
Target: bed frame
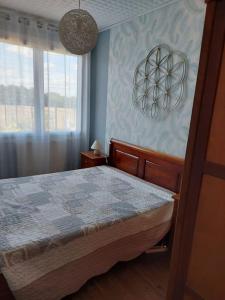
(154, 167)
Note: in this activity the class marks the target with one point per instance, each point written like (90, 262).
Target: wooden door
(198, 257)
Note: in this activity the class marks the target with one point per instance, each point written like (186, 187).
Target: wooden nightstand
(88, 159)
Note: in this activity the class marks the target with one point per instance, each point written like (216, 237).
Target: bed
(75, 225)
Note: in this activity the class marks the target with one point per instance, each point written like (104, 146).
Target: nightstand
(88, 159)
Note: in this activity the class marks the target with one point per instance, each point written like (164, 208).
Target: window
(38, 90)
(60, 88)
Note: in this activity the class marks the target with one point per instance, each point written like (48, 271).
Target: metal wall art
(160, 80)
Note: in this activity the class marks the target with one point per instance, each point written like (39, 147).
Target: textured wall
(99, 80)
(180, 26)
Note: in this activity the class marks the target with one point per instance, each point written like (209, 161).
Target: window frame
(39, 128)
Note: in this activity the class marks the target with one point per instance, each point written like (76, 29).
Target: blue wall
(178, 25)
(99, 83)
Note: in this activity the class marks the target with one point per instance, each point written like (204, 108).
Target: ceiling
(106, 12)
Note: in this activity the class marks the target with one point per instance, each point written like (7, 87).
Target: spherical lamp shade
(78, 31)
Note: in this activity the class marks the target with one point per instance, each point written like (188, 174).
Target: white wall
(180, 26)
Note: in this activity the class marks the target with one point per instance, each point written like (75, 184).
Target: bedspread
(43, 212)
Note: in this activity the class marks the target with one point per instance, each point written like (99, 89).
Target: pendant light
(78, 31)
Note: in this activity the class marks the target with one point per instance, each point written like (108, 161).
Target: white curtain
(32, 31)
(44, 106)
(84, 94)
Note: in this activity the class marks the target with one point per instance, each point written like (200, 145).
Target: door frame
(195, 167)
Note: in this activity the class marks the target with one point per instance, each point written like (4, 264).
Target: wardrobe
(198, 255)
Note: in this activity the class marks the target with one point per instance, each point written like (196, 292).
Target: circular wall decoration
(78, 31)
(160, 80)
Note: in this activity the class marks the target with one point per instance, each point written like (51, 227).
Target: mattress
(51, 221)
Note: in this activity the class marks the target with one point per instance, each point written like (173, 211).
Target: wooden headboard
(158, 168)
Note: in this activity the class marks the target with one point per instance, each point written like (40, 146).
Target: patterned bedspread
(42, 212)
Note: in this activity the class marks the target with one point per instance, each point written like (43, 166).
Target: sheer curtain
(44, 105)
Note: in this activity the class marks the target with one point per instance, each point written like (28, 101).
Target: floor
(144, 278)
